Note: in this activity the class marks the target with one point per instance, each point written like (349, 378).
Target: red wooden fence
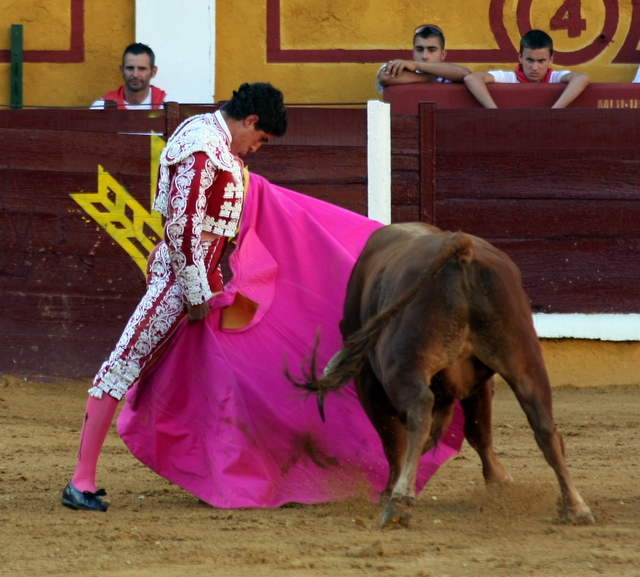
(66, 286)
(557, 190)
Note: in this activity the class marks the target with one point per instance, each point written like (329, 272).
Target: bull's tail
(348, 362)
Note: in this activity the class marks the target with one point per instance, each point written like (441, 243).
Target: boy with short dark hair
(427, 65)
(536, 57)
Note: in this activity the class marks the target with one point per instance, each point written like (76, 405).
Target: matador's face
(247, 138)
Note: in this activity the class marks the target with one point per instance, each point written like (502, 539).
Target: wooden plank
(351, 197)
(577, 275)
(322, 126)
(586, 296)
(66, 350)
(74, 120)
(311, 126)
(405, 187)
(405, 213)
(172, 118)
(401, 161)
(404, 98)
(481, 178)
(76, 355)
(31, 228)
(550, 219)
(188, 110)
(405, 135)
(66, 312)
(405, 126)
(110, 274)
(427, 162)
(22, 190)
(539, 134)
(74, 152)
(586, 258)
(307, 126)
(310, 164)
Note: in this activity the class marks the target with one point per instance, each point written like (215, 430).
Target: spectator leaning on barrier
(427, 65)
(536, 57)
(138, 68)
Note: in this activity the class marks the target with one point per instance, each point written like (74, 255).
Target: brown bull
(429, 318)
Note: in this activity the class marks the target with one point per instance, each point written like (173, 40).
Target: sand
(154, 528)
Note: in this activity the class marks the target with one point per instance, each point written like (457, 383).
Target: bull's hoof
(398, 511)
(499, 480)
(497, 475)
(577, 515)
(581, 518)
(384, 497)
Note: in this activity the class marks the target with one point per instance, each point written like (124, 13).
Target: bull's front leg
(414, 401)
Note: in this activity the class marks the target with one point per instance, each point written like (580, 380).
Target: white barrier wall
(603, 327)
(182, 36)
(379, 161)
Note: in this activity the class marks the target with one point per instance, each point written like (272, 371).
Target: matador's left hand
(198, 312)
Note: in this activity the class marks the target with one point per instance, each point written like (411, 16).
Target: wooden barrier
(67, 284)
(555, 189)
(404, 98)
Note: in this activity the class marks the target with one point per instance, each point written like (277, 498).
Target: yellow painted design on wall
(136, 229)
(107, 28)
(306, 25)
(358, 24)
(46, 23)
(351, 25)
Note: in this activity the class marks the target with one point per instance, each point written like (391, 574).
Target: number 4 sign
(569, 17)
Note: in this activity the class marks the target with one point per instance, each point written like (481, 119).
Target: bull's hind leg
(479, 432)
(414, 402)
(386, 421)
(534, 394)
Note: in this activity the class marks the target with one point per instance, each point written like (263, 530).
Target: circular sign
(568, 16)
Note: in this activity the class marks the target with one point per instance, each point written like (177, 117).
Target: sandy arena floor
(154, 528)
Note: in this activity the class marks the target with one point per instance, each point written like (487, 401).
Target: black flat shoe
(85, 500)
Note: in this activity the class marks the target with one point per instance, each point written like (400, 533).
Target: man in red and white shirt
(137, 93)
(536, 56)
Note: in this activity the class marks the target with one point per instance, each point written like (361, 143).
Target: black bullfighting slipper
(85, 500)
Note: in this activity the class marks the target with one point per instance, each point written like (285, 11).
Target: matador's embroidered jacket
(200, 188)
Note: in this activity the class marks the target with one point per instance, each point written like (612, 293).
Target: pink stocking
(97, 420)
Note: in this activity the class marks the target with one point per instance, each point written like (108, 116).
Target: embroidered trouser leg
(156, 317)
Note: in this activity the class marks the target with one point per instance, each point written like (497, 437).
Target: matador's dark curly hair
(263, 100)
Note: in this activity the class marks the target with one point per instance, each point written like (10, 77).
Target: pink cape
(216, 415)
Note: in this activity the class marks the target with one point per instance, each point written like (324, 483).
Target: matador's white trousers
(156, 317)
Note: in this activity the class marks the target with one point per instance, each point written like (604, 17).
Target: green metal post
(17, 58)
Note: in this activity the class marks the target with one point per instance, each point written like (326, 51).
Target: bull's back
(370, 275)
(394, 258)
(478, 277)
